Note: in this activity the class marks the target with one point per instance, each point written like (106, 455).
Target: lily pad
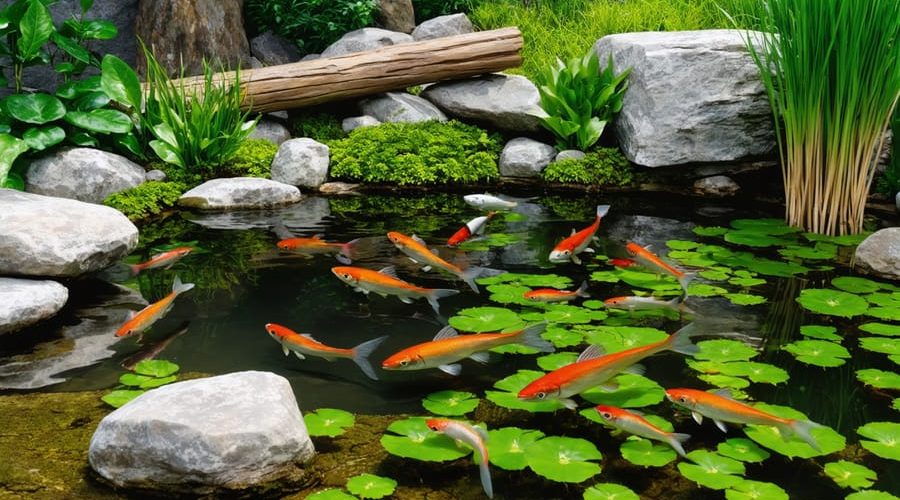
(158, 382)
(704, 290)
(484, 319)
(569, 314)
(134, 380)
(156, 368)
(745, 299)
(818, 352)
(562, 337)
(856, 285)
(714, 275)
(828, 440)
(411, 438)
(885, 313)
(507, 446)
(884, 299)
(848, 240)
(743, 450)
(712, 470)
(870, 495)
(634, 391)
(506, 293)
(724, 350)
(755, 490)
(710, 230)
(885, 439)
(682, 244)
(646, 453)
(619, 338)
(119, 397)
(763, 373)
(492, 240)
(556, 360)
(371, 486)
(879, 379)
(331, 494)
(725, 381)
(746, 282)
(884, 345)
(767, 267)
(329, 422)
(691, 258)
(850, 475)
(821, 251)
(832, 302)
(450, 403)
(510, 387)
(752, 238)
(563, 459)
(605, 276)
(820, 332)
(609, 491)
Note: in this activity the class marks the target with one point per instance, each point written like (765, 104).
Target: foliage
(451, 403)
(563, 459)
(319, 125)
(818, 352)
(602, 167)
(310, 24)
(712, 470)
(506, 446)
(416, 153)
(609, 491)
(885, 439)
(371, 486)
(411, 438)
(828, 439)
(146, 199)
(253, 158)
(832, 302)
(329, 422)
(148, 374)
(429, 9)
(850, 475)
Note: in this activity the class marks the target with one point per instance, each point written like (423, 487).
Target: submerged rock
(239, 192)
(306, 215)
(365, 39)
(400, 107)
(879, 254)
(509, 102)
(204, 436)
(524, 157)
(83, 174)
(301, 162)
(717, 185)
(441, 26)
(25, 302)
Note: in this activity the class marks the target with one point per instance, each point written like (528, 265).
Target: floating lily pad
(757, 372)
(724, 350)
(371, 486)
(450, 403)
(896, 404)
(828, 440)
(691, 258)
(510, 387)
(746, 282)
(609, 491)
(820, 332)
(870, 495)
(712, 275)
(884, 299)
(879, 379)
(710, 230)
(821, 251)
(818, 352)
(646, 453)
(768, 225)
(704, 290)
(884, 345)
(682, 244)
(850, 475)
(767, 267)
(832, 302)
(619, 338)
(755, 490)
(605, 276)
(329, 422)
(506, 293)
(562, 337)
(411, 438)
(331, 494)
(569, 314)
(753, 239)
(156, 368)
(158, 382)
(856, 285)
(885, 313)
(885, 439)
(647, 280)
(485, 319)
(119, 397)
(134, 380)
(743, 450)
(849, 240)
(492, 240)
(556, 360)
(725, 381)
(712, 470)
(745, 299)
(563, 459)
(506, 446)
(634, 391)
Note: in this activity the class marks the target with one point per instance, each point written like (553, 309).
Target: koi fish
(720, 407)
(164, 260)
(152, 351)
(569, 248)
(623, 263)
(302, 344)
(385, 282)
(633, 423)
(154, 312)
(488, 202)
(476, 437)
(649, 260)
(593, 367)
(316, 245)
(635, 303)
(448, 347)
(415, 248)
(474, 227)
(554, 295)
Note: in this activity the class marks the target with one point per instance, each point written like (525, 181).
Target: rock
(301, 162)
(197, 436)
(396, 15)
(155, 175)
(311, 57)
(270, 49)
(400, 107)
(239, 192)
(271, 131)
(339, 188)
(693, 96)
(570, 154)
(306, 215)
(524, 157)
(45, 236)
(25, 302)
(879, 254)
(717, 185)
(365, 39)
(83, 174)
(441, 26)
(897, 201)
(509, 102)
(354, 122)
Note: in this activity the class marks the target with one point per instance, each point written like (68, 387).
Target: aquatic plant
(507, 445)
(850, 475)
(828, 439)
(556, 360)
(312, 25)
(883, 439)
(818, 352)
(632, 391)
(328, 422)
(879, 379)
(724, 350)
(148, 374)
(881, 329)
(146, 199)
(609, 491)
(742, 449)
(712, 470)
(485, 319)
(411, 438)
(753, 490)
(330, 494)
(600, 167)
(832, 302)
(563, 459)
(489, 241)
(450, 403)
(371, 486)
(821, 332)
(646, 453)
(509, 387)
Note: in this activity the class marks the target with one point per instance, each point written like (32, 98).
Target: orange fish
(476, 437)
(385, 282)
(164, 260)
(474, 227)
(448, 347)
(649, 260)
(554, 295)
(720, 407)
(633, 423)
(302, 344)
(414, 247)
(154, 312)
(569, 248)
(317, 245)
(623, 263)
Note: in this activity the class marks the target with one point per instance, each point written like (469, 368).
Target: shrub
(603, 167)
(311, 24)
(416, 153)
(252, 159)
(319, 125)
(146, 200)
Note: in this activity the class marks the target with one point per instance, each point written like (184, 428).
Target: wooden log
(306, 83)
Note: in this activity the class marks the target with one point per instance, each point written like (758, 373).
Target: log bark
(306, 83)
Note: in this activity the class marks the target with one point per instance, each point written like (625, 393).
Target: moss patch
(146, 200)
(252, 159)
(603, 167)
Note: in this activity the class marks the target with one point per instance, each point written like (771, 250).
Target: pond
(751, 270)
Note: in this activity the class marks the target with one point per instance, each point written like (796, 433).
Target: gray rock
(879, 254)
(339, 188)
(524, 157)
(270, 49)
(301, 162)
(83, 174)
(25, 302)
(311, 57)
(441, 26)
(354, 122)
(570, 154)
(897, 201)
(693, 96)
(239, 192)
(717, 185)
(510, 102)
(45, 236)
(400, 107)
(155, 175)
(271, 131)
(307, 215)
(365, 39)
(228, 432)
(396, 15)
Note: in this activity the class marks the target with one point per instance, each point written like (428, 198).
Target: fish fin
(178, 287)
(531, 336)
(611, 386)
(361, 355)
(131, 315)
(286, 350)
(720, 425)
(318, 236)
(453, 369)
(469, 276)
(698, 417)
(481, 432)
(299, 355)
(602, 210)
(637, 369)
(592, 351)
(405, 300)
(389, 271)
(345, 256)
(575, 259)
(724, 392)
(569, 403)
(485, 473)
(680, 341)
(573, 232)
(426, 269)
(802, 428)
(582, 290)
(418, 240)
(685, 280)
(134, 269)
(480, 357)
(676, 439)
(588, 250)
(343, 259)
(439, 293)
(446, 333)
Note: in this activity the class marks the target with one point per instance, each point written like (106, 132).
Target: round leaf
(828, 440)
(745, 299)
(755, 490)
(712, 470)
(850, 475)
(563, 459)
(818, 352)
(371, 486)
(450, 403)
(609, 491)
(328, 422)
(415, 440)
(743, 450)
(884, 345)
(42, 138)
(885, 439)
(484, 319)
(870, 495)
(634, 391)
(556, 360)
(879, 379)
(35, 108)
(820, 332)
(156, 368)
(832, 302)
(330, 494)
(506, 446)
(855, 285)
(103, 121)
(724, 350)
(646, 453)
(119, 397)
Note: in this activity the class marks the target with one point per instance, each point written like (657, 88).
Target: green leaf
(724, 350)
(450, 403)
(879, 379)
(870, 495)
(609, 491)
(618, 338)
(485, 319)
(134, 380)
(682, 244)
(832, 302)
(563, 459)
(42, 138)
(158, 382)
(562, 337)
(820, 332)
(634, 391)
(885, 313)
(329, 422)
(881, 329)
(569, 314)
(745, 299)
(743, 450)
(712, 470)
(821, 251)
(556, 360)
(413, 439)
(10, 149)
(36, 108)
(119, 397)
(757, 372)
(511, 386)
(71, 47)
(746, 282)
(856, 285)
(330, 494)
(371, 486)
(885, 439)
(850, 475)
(714, 275)
(752, 239)
(506, 446)
(103, 121)
(704, 290)
(34, 30)
(849, 240)
(710, 230)
(755, 490)
(766, 226)
(818, 352)
(98, 29)
(166, 153)
(884, 345)
(156, 368)
(646, 453)
(828, 440)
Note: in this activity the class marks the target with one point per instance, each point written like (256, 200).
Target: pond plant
(147, 374)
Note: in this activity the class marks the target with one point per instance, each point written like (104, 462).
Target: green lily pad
(724, 350)
(850, 475)
(450, 403)
(634, 391)
(156, 368)
(743, 450)
(609, 491)
(745, 299)
(485, 319)
(491, 240)
(884, 299)
(710, 230)
(746, 282)
(879, 379)
(158, 382)
(119, 397)
(329, 422)
(896, 404)
(870, 495)
(506, 293)
(134, 380)
(691, 258)
(704, 290)
(885, 313)
(712, 275)
(762, 373)
(832, 302)
(849, 240)
(767, 267)
(752, 238)
(371, 486)
(563, 459)
(556, 360)
(619, 338)
(885, 439)
(562, 337)
(646, 453)
(767, 225)
(856, 285)
(569, 314)
(820, 332)
(828, 439)
(725, 381)
(413, 439)
(818, 352)
(755, 490)
(507, 446)
(605, 276)
(509, 388)
(529, 280)
(682, 244)
(821, 251)
(712, 470)
(884, 345)
(330, 494)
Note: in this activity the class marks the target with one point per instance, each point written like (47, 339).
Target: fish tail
(346, 255)
(802, 428)
(676, 440)
(485, 472)
(361, 355)
(582, 290)
(469, 276)
(685, 280)
(178, 287)
(602, 210)
(436, 294)
(531, 336)
(680, 341)
(134, 269)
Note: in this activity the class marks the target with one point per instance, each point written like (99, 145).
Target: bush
(603, 167)
(416, 153)
(317, 125)
(310, 24)
(252, 159)
(147, 199)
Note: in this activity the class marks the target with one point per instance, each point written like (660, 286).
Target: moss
(318, 125)
(603, 167)
(252, 159)
(146, 200)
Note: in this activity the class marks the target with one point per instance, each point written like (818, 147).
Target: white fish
(488, 202)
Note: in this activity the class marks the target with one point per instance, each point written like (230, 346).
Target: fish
(472, 228)
(720, 407)
(385, 282)
(488, 202)
(414, 247)
(476, 437)
(154, 312)
(569, 248)
(635, 303)
(649, 260)
(633, 422)
(554, 295)
(165, 260)
(623, 263)
(152, 351)
(595, 368)
(302, 345)
(316, 245)
(448, 346)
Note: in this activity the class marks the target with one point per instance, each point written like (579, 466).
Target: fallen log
(306, 83)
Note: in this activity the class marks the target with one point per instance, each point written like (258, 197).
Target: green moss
(146, 200)
(252, 159)
(603, 167)
(318, 125)
(416, 153)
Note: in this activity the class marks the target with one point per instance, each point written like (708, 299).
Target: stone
(46, 236)
(693, 96)
(897, 201)
(570, 154)
(239, 192)
(365, 39)
(879, 254)
(26, 302)
(83, 174)
(155, 175)
(524, 157)
(717, 185)
(271, 49)
(205, 435)
(301, 162)
(352, 123)
(396, 15)
(441, 26)
(400, 107)
(339, 188)
(306, 216)
(509, 102)
(271, 131)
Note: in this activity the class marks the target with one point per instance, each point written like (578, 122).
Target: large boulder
(879, 254)
(400, 107)
(204, 436)
(44, 236)
(509, 102)
(301, 162)
(271, 49)
(239, 192)
(25, 302)
(83, 174)
(441, 26)
(693, 96)
(365, 39)
(524, 157)
(396, 15)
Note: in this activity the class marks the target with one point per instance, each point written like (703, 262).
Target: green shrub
(602, 167)
(252, 159)
(311, 24)
(416, 153)
(147, 199)
(319, 125)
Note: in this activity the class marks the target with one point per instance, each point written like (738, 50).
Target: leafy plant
(506, 446)
(450, 403)
(879, 379)
(828, 439)
(310, 24)
(146, 199)
(411, 438)
(818, 352)
(148, 374)
(885, 439)
(832, 302)
(253, 158)
(752, 490)
(371, 486)
(850, 475)
(712, 470)
(563, 459)
(600, 167)
(322, 126)
(509, 387)
(609, 491)
(484, 319)
(743, 450)
(329, 422)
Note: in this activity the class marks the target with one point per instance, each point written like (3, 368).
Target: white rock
(239, 192)
(717, 185)
(365, 39)
(879, 254)
(441, 26)
(155, 175)
(25, 302)
(400, 107)
(524, 157)
(83, 174)
(271, 131)
(301, 162)
(570, 154)
(354, 122)
(510, 102)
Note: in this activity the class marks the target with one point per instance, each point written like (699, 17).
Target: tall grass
(832, 71)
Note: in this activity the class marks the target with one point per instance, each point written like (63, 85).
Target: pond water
(243, 282)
